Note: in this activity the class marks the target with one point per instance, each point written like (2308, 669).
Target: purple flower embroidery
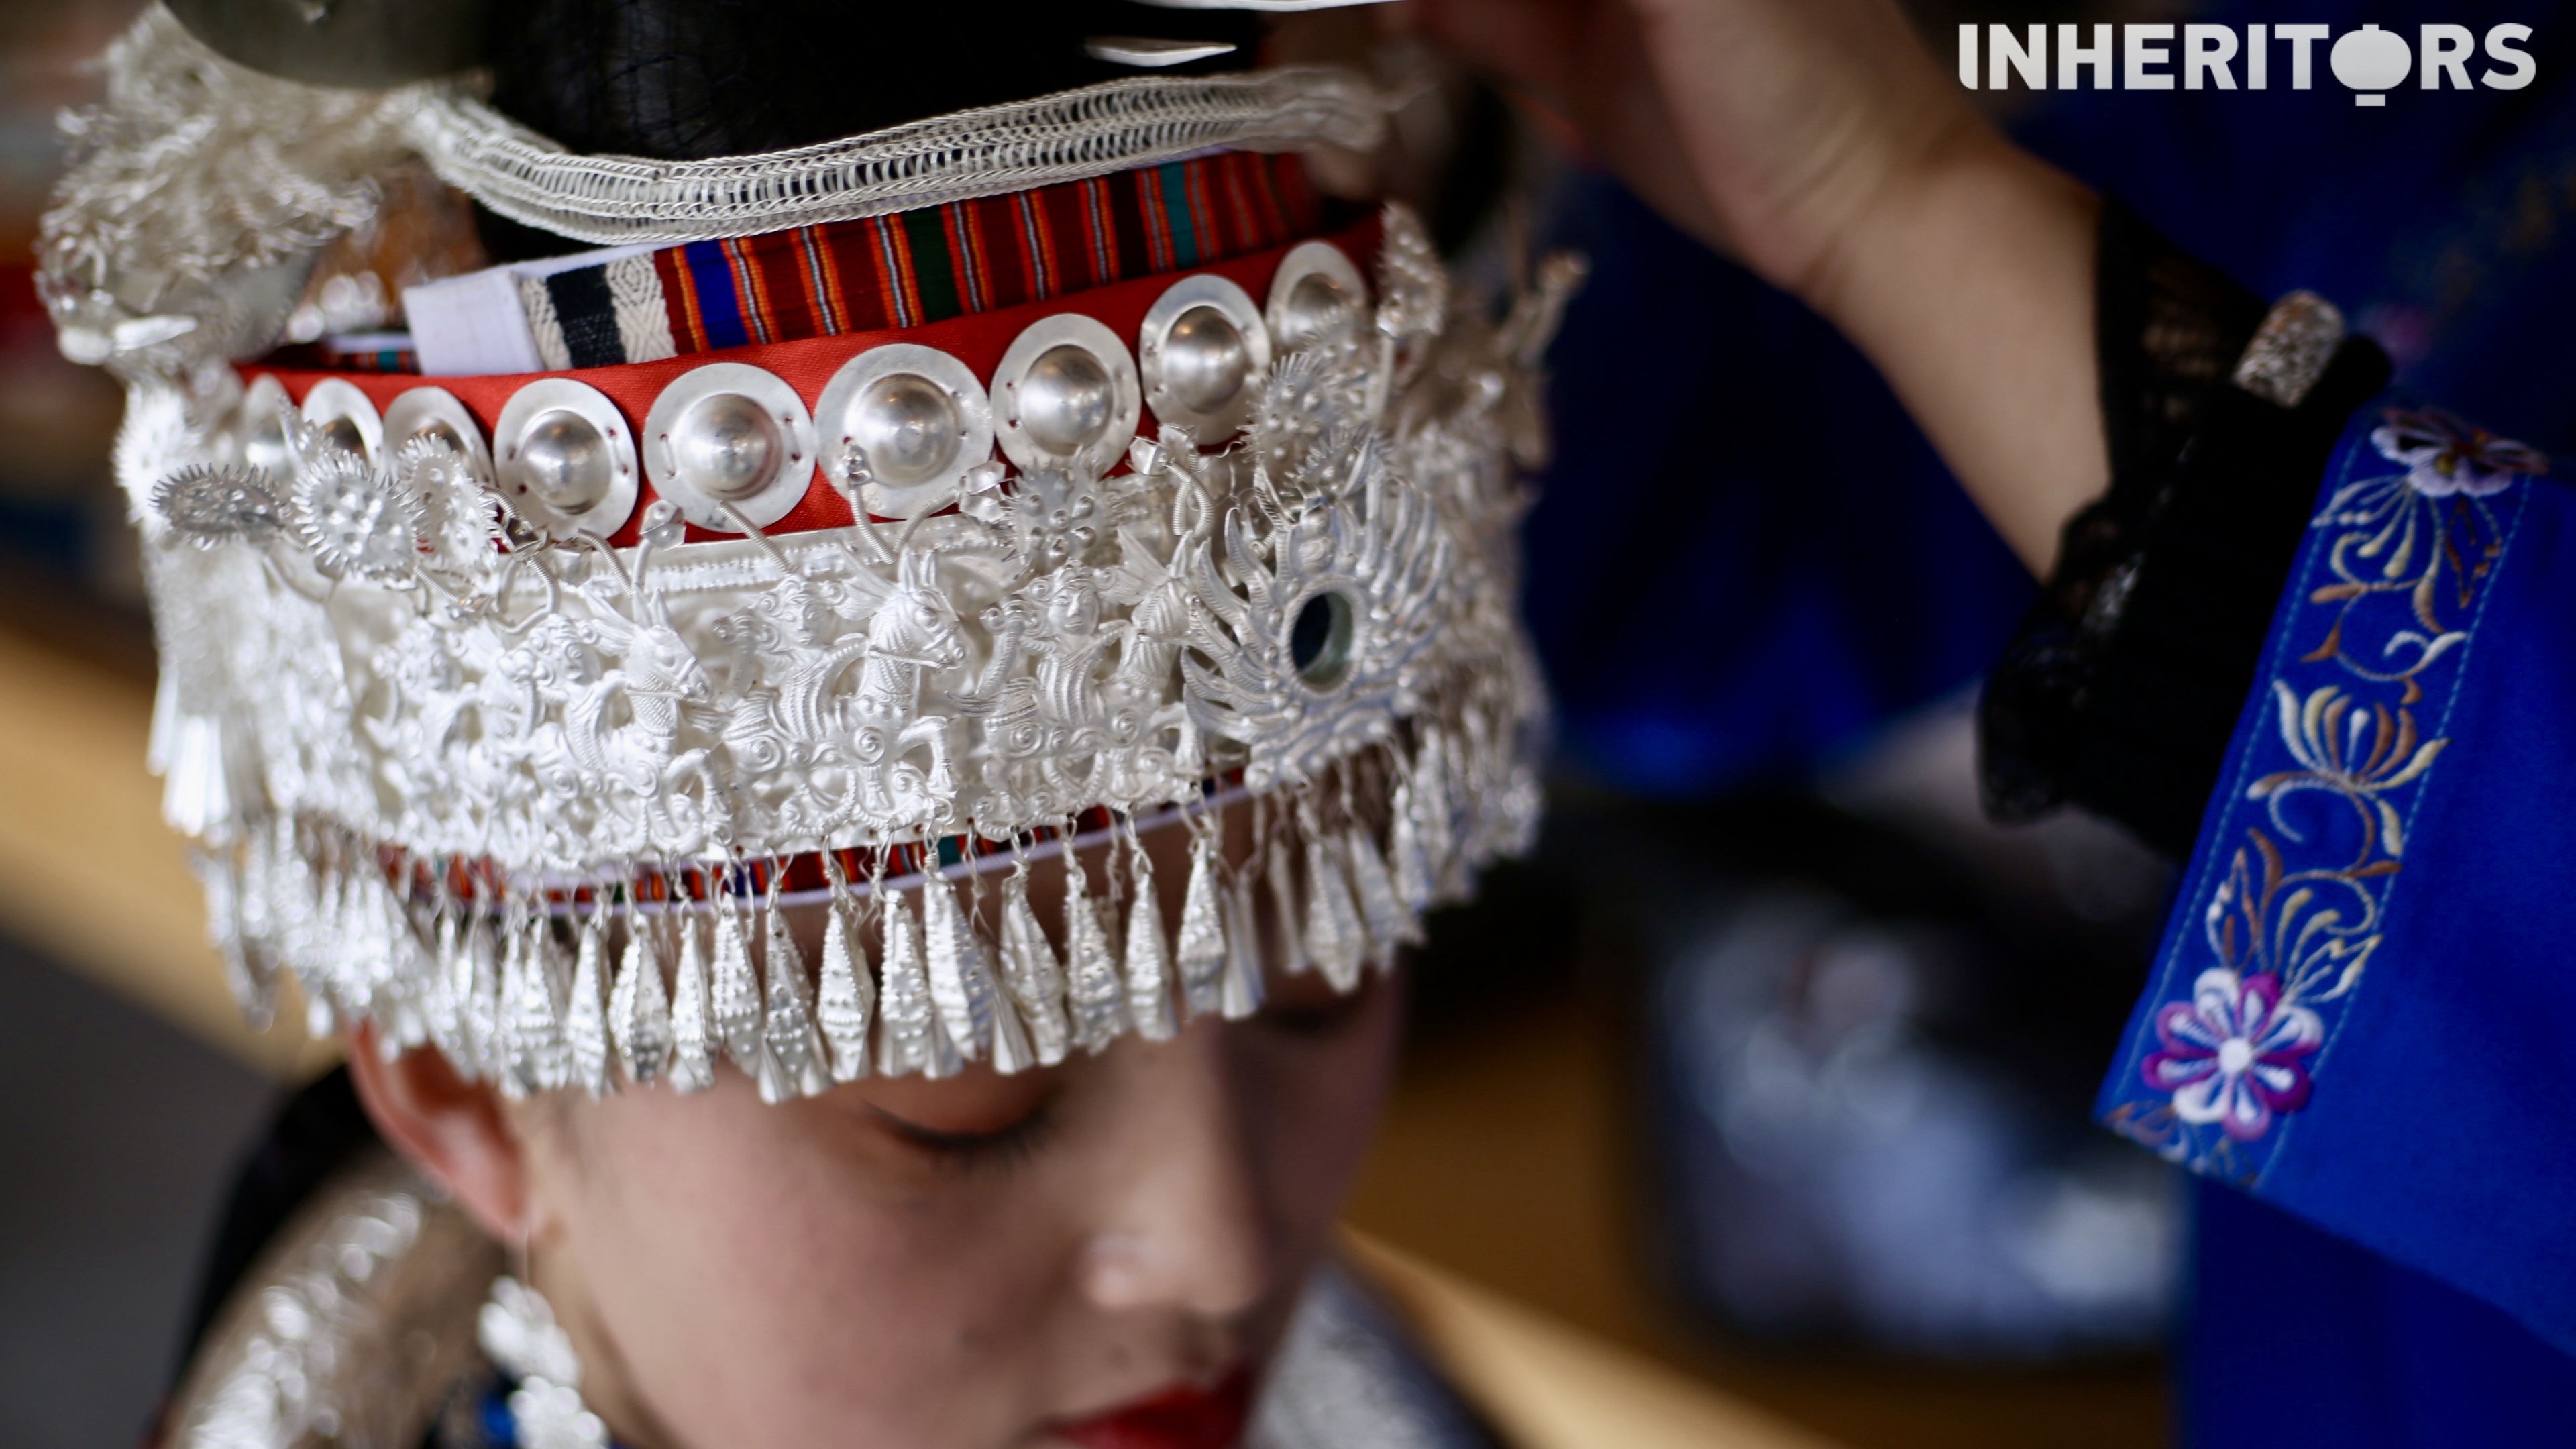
(2445, 455)
(2233, 1054)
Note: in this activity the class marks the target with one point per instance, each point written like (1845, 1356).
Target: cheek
(772, 1286)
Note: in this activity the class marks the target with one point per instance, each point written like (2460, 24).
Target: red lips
(1182, 1417)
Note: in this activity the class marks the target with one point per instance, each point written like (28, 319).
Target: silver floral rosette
(476, 774)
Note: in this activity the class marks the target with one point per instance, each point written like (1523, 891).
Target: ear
(455, 1130)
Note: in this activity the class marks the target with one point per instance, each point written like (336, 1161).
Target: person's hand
(1766, 129)
(1817, 142)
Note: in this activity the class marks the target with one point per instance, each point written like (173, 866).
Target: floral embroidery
(2408, 533)
(2444, 455)
(2323, 792)
(2234, 1054)
(2325, 735)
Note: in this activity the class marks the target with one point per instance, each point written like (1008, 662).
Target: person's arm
(1817, 143)
(2062, 356)
(2308, 636)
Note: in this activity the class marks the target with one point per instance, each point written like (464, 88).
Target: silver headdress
(474, 772)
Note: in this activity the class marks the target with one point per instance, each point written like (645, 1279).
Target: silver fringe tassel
(1149, 957)
(693, 1032)
(1239, 995)
(1435, 816)
(795, 1064)
(527, 991)
(1093, 992)
(1031, 973)
(1288, 946)
(1335, 936)
(452, 1025)
(1390, 925)
(1201, 952)
(1415, 881)
(906, 1017)
(734, 989)
(586, 1017)
(638, 1011)
(960, 984)
(483, 997)
(847, 996)
(535, 1058)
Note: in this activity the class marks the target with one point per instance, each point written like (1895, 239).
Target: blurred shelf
(1505, 1160)
(89, 874)
(1545, 1384)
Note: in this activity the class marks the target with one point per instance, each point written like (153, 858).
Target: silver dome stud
(1066, 389)
(1064, 399)
(566, 458)
(563, 461)
(342, 433)
(1204, 360)
(1315, 306)
(436, 413)
(726, 438)
(1202, 343)
(901, 425)
(345, 418)
(726, 446)
(256, 433)
(908, 428)
(1316, 287)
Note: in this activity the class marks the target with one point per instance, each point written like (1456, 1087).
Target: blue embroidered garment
(2300, 1338)
(2362, 1009)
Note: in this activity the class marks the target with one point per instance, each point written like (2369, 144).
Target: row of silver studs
(900, 426)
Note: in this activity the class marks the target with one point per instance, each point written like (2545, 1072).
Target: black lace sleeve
(2125, 681)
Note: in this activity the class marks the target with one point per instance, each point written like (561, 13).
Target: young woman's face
(1102, 1253)
(982, 1261)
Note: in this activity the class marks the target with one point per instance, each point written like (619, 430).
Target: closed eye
(1005, 1146)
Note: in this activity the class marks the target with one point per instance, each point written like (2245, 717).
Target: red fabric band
(978, 340)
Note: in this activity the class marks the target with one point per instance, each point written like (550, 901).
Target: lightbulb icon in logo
(2371, 60)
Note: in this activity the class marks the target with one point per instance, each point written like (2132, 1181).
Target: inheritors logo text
(2370, 61)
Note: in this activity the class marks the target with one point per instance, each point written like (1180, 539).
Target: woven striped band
(918, 267)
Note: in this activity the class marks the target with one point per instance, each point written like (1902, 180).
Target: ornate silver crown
(474, 772)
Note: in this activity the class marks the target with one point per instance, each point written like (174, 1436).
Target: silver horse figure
(913, 632)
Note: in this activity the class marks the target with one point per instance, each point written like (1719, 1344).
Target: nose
(1185, 1225)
